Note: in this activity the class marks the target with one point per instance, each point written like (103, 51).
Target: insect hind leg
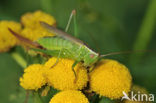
(73, 15)
(69, 21)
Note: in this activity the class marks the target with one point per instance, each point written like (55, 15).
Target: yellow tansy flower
(7, 40)
(110, 79)
(32, 28)
(136, 89)
(69, 96)
(62, 77)
(33, 77)
(32, 20)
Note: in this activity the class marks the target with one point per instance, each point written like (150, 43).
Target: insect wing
(61, 33)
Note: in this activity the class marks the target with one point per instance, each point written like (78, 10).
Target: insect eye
(92, 55)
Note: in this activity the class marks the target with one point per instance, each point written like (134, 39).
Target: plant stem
(19, 59)
(145, 33)
(37, 98)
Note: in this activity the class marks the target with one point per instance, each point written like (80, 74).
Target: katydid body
(63, 45)
(60, 47)
(66, 46)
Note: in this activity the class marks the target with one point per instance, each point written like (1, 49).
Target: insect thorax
(90, 57)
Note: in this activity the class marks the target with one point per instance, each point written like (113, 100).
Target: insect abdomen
(65, 48)
(55, 43)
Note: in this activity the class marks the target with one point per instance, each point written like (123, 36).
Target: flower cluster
(63, 69)
(7, 40)
(109, 78)
(31, 30)
(60, 77)
(33, 77)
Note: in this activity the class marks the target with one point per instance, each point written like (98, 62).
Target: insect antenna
(126, 52)
(25, 40)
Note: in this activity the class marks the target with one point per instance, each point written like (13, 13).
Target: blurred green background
(105, 25)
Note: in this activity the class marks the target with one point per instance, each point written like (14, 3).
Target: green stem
(37, 98)
(145, 33)
(19, 59)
